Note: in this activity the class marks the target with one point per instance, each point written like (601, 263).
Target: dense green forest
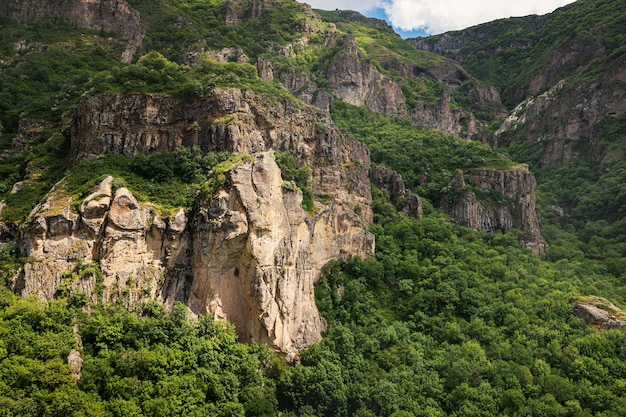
(442, 321)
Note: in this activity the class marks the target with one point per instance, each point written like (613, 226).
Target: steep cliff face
(257, 254)
(390, 181)
(565, 119)
(358, 82)
(236, 11)
(250, 254)
(360, 78)
(226, 120)
(109, 15)
(563, 73)
(496, 201)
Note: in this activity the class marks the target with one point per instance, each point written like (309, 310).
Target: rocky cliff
(565, 120)
(392, 182)
(563, 82)
(357, 81)
(351, 75)
(496, 201)
(250, 254)
(109, 15)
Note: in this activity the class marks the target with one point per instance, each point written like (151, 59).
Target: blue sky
(380, 13)
(421, 17)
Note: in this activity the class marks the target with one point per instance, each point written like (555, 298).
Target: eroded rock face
(257, 255)
(564, 121)
(250, 255)
(392, 182)
(358, 82)
(109, 15)
(236, 11)
(226, 120)
(599, 312)
(113, 230)
(515, 191)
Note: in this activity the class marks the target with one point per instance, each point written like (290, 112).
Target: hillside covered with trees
(442, 320)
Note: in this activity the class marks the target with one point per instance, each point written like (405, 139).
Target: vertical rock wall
(515, 191)
(251, 255)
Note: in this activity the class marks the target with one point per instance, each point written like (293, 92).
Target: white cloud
(358, 5)
(438, 16)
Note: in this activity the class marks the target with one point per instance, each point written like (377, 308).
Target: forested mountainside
(252, 208)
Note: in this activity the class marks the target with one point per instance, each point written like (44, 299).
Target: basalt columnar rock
(495, 200)
(108, 15)
(250, 254)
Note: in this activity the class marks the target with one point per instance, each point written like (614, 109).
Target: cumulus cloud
(358, 5)
(436, 16)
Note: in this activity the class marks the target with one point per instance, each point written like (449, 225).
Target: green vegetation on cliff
(510, 53)
(426, 159)
(442, 321)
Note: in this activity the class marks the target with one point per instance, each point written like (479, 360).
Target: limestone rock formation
(513, 190)
(111, 229)
(257, 255)
(358, 82)
(109, 15)
(599, 312)
(250, 254)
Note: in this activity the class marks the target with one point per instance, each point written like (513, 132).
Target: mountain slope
(223, 173)
(561, 74)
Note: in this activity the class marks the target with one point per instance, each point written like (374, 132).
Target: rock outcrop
(130, 242)
(226, 120)
(496, 201)
(257, 255)
(237, 11)
(390, 181)
(355, 80)
(565, 120)
(250, 254)
(358, 82)
(108, 15)
(599, 312)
